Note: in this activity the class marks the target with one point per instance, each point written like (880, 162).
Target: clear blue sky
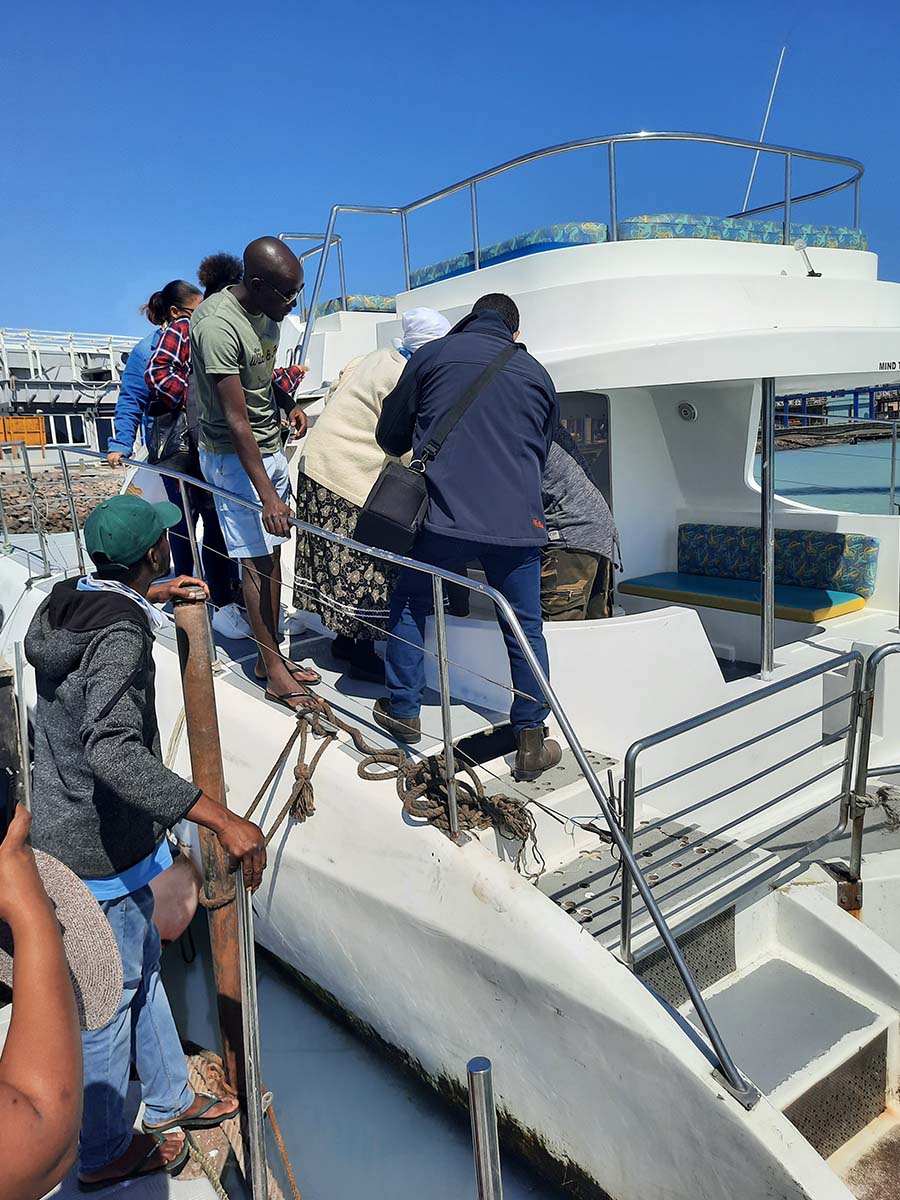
(139, 137)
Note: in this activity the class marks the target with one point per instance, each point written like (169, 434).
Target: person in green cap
(102, 803)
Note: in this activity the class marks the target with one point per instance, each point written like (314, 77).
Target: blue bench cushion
(813, 558)
(548, 237)
(807, 604)
(357, 303)
(737, 229)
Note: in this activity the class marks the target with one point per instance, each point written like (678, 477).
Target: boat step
(819, 1054)
(694, 878)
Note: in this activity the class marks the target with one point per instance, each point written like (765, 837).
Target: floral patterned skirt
(350, 591)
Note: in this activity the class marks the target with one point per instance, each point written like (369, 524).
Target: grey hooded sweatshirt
(102, 798)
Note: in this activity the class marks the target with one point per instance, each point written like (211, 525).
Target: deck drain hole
(653, 878)
(677, 866)
(700, 850)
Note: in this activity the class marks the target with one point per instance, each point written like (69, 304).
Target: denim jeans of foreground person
(515, 572)
(144, 1026)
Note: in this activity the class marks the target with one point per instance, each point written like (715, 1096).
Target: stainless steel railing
(337, 242)
(854, 662)
(743, 1091)
(470, 185)
(21, 448)
(850, 895)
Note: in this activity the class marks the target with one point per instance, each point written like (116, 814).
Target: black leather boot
(536, 753)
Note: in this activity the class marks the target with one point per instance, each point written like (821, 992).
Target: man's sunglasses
(291, 299)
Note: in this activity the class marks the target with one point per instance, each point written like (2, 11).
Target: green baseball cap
(123, 528)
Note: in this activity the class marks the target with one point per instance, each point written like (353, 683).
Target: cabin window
(586, 417)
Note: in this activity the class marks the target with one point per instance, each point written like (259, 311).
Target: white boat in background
(728, 732)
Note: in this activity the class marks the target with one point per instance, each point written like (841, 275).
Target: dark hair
(175, 294)
(218, 271)
(504, 306)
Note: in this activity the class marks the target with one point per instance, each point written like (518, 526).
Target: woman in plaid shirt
(172, 442)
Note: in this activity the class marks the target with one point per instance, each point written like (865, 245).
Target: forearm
(247, 450)
(209, 813)
(42, 1057)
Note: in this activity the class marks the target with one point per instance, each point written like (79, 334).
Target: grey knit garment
(88, 943)
(576, 514)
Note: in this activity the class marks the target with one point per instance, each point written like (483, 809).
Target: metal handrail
(743, 1091)
(631, 791)
(317, 237)
(852, 898)
(470, 184)
(36, 522)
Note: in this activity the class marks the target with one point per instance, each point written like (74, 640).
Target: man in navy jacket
(484, 492)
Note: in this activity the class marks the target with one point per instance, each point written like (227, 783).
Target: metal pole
(4, 528)
(342, 277)
(440, 630)
(73, 512)
(22, 711)
(192, 532)
(485, 1142)
(767, 531)
(788, 165)
(613, 199)
(404, 233)
(252, 1071)
(857, 189)
(765, 124)
(893, 495)
(36, 522)
(625, 917)
(192, 630)
(317, 286)
(476, 244)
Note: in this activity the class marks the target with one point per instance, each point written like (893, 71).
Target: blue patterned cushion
(811, 558)
(357, 303)
(548, 237)
(737, 229)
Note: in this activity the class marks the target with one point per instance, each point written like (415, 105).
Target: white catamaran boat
(689, 980)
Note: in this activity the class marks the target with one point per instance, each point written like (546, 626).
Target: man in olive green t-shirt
(234, 337)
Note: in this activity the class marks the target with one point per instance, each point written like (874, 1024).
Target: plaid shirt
(169, 368)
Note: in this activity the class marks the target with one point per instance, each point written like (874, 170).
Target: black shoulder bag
(394, 511)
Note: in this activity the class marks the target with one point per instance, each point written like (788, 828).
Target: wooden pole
(195, 656)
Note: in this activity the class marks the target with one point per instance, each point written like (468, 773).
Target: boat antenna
(762, 132)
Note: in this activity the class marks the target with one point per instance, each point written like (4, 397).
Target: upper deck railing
(787, 153)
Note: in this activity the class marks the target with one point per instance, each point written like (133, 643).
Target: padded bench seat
(806, 604)
(819, 575)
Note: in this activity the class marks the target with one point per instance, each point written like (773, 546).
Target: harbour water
(844, 477)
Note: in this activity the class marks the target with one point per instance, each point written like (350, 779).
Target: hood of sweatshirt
(69, 620)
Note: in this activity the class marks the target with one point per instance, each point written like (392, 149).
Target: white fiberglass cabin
(722, 1019)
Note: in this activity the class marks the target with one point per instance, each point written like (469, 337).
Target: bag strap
(450, 419)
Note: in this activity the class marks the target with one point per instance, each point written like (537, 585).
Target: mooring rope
(421, 784)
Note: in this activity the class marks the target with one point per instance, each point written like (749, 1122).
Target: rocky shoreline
(797, 438)
(89, 487)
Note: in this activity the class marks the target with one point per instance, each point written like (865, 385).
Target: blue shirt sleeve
(131, 403)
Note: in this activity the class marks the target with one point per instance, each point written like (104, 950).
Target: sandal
(140, 1168)
(283, 700)
(199, 1120)
(295, 670)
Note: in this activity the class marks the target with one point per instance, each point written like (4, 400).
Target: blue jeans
(515, 571)
(142, 1028)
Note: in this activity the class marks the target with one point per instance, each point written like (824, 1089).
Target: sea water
(844, 477)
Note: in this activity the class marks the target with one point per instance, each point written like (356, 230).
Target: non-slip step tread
(777, 1019)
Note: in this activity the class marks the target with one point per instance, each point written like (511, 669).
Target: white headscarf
(421, 325)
